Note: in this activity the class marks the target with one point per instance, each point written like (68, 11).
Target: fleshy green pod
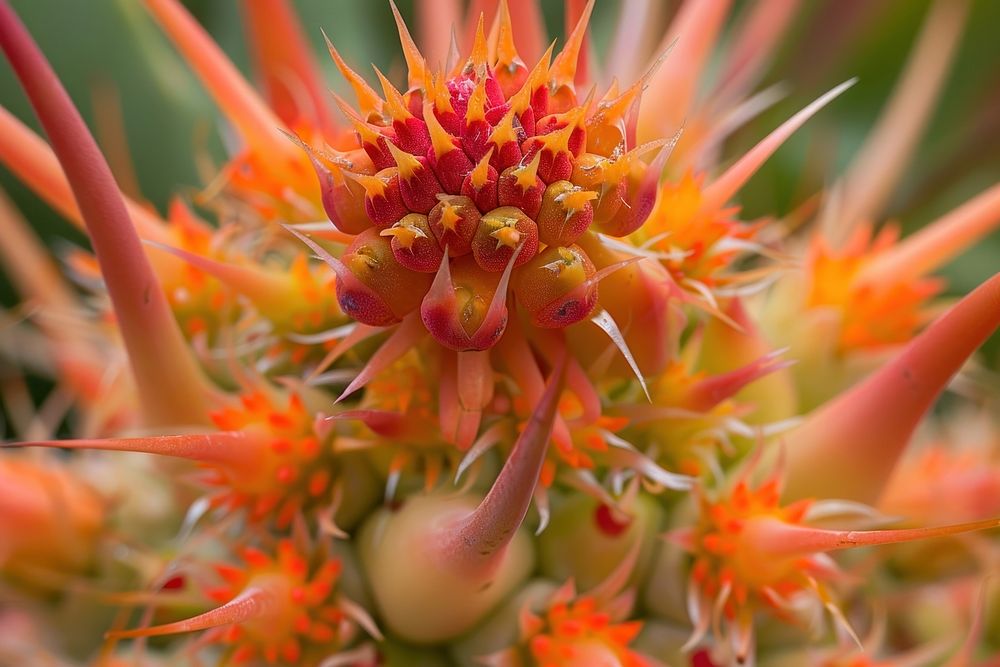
(453, 221)
(413, 244)
(501, 231)
(566, 213)
(556, 287)
(388, 291)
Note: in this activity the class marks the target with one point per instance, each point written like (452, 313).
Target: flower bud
(501, 231)
(481, 184)
(453, 222)
(555, 287)
(382, 291)
(520, 186)
(383, 201)
(418, 187)
(565, 214)
(413, 244)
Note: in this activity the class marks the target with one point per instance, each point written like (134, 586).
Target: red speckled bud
(383, 201)
(505, 140)
(413, 244)
(499, 233)
(556, 287)
(343, 199)
(417, 185)
(481, 184)
(642, 182)
(382, 291)
(449, 161)
(566, 213)
(453, 221)
(520, 186)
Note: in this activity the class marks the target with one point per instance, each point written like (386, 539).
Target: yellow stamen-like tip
(404, 233)
(442, 142)
(574, 200)
(477, 103)
(482, 171)
(374, 185)
(507, 235)
(504, 131)
(407, 163)
(527, 174)
(450, 216)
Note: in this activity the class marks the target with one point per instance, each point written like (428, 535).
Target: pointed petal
(849, 447)
(722, 189)
(252, 603)
(170, 383)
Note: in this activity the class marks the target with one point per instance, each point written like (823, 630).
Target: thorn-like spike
(415, 65)
(538, 77)
(506, 49)
(407, 164)
(169, 380)
(368, 100)
(480, 49)
(230, 448)
(476, 110)
(367, 133)
(480, 538)
(481, 173)
(394, 105)
(526, 175)
(720, 191)
(856, 439)
(399, 342)
(254, 603)
(564, 68)
(442, 142)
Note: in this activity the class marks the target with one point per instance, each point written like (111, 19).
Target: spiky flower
(536, 393)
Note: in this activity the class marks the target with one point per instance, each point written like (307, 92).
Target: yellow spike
(406, 163)
(482, 171)
(442, 142)
(507, 55)
(480, 50)
(558, 141)
(527, 174)
(369, 135)
(564, 68)
(405, 233)
(574, 200)
(520, 100)
(612, 109)
(394, 103)
(477, 102)
(441, 96)
(368, 100)
(504, 131)
(415, 65)
(374, 185)
(449, 216)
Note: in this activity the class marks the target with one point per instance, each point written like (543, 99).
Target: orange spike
(937, 243)
(374, 186)
(230, 448)
(504, 131)
(256, 602)
(405, 233)
(405, 162)
(479, 175)
(442, 142)
(368, 100)
(564, 68)
(441, 97)
(237, 99)
(538, 77)
(849, 447)
(718, 193)
(416, 68)
(169, 380)
(480, 50)
(506, 49)
(368, 134)
(477, 103)
(395, 105)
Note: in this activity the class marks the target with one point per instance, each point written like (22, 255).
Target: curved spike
(399, 343)
(777, 538)
(368, 100)
(711, 391)
(568, 63)
(937, 243)
(237, 99)
(169, 380)
(286, 64)
(721, 190)
(224, 447)
(479, 54)
(849, 447)
(253, 603)
(481, 537)
(415, 65)
(394, 105)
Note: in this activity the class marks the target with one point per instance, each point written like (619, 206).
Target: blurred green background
(167, 115)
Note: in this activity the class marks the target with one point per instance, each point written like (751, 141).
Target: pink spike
(33, 162)
(849, 447)
(776, 538)
(759, 33)
(238, 100)
(711, 391)
(169, 381)
(671, 92)
(937, 243)
(254, 603)
(287, 65)
(475, 379)
(230, 448)
(722, 189)
(407, 334)
(268, 291)
(875, 171)
(481, 538)
(384, 423)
